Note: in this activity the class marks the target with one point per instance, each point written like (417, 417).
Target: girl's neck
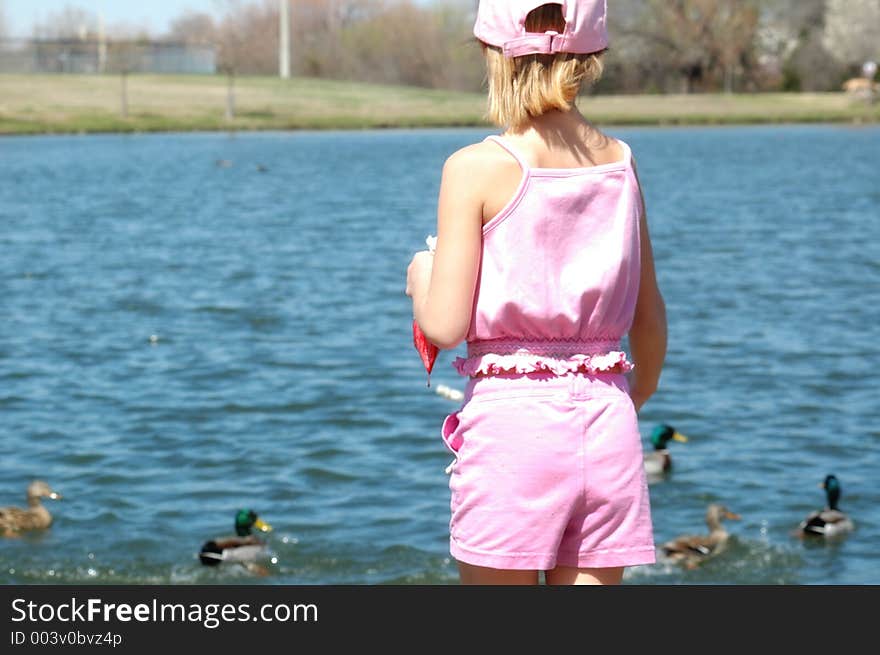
(565, 140)
(556, 123)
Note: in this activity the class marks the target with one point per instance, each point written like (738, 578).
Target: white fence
(94, 57)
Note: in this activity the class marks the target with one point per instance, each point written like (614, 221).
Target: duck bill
(55, 496)
(679, 437)
(262, 526)
(732, 517)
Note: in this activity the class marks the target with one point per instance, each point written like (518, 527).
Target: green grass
(35, 104)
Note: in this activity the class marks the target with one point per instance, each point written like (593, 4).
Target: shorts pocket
(452, 437)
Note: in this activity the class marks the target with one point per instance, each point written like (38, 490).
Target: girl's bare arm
(648, 335)
(443, 287)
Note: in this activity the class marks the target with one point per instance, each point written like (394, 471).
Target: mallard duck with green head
(15, 520)
(830, 521)
(242, 548)
(659, 462)
(691, 550)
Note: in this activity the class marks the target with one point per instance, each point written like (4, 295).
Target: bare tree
(196, 28)
(388, 41)
(71, 23)
(794, 17)
(248, 37)
(785, 24)
(320, 35)
(789, 46)
(233, 50)
(3, 28)
(123, 59)
(413, 56)
(705, 41)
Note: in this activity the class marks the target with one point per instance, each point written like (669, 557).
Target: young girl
(543, 263)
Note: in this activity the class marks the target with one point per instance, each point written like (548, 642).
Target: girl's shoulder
(479, 155)
(479, 163)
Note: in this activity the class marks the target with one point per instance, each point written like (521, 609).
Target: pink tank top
(560, 273)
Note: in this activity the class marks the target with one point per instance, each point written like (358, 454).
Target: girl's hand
(639, 399)
(418, 275)
(638, 393)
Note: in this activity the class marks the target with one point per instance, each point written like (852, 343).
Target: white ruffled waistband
(560, 357)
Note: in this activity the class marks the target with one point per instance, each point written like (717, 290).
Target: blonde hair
(533, 85)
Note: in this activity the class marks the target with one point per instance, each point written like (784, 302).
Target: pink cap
(502, 23)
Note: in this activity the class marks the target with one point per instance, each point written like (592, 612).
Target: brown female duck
(690, 550)
(14, 520)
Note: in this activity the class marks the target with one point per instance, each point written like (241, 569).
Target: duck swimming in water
(244, 548)
(659, 462)
(14, 520)
(828, 522)
(691, 550)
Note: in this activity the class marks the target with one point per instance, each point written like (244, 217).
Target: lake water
(184, 334)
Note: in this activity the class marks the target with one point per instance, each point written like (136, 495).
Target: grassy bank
(33, 104)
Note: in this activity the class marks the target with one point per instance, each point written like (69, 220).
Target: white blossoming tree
(852, 30)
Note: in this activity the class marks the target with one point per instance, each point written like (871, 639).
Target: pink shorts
(548, 472)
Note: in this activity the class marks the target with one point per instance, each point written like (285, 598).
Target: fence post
(230, 95)
(124, 97)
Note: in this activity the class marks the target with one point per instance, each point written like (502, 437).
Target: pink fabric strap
(511, 150)
(545, 44)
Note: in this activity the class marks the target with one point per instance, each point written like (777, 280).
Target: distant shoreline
(91, 104)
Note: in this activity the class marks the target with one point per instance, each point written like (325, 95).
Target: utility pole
(284, 39)
(102, 45)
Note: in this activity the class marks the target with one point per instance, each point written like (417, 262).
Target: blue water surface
(195, 323)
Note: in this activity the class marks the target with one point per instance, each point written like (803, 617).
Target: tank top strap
(511, 150)
(627, 152)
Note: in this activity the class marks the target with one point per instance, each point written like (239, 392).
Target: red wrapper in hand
(427, 350)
